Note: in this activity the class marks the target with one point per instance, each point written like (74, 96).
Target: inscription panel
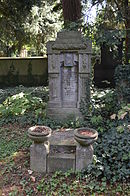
(69, 83)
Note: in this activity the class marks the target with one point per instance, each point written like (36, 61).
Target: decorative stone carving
(83, 85)
(68, 67)
(84, 65)
(53, 86)
(53, 63)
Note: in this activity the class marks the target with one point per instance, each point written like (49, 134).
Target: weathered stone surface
(38, 154)
(63, 113)
(62, 153)
(60, 162)
(69, 60)
(69, 40)
(64, 137)
(62, 148)
(84, 156)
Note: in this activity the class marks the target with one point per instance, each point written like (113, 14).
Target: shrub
(22, 106)
(113, 153)
(102, 102)
(19, 104)
(41, 92)
(112, 149)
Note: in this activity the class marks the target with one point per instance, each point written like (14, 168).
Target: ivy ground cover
(109, 173)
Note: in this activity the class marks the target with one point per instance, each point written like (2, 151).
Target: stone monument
(69, 61)
(61, 150)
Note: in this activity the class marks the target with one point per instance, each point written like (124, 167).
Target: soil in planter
(86, 133)
(39, 129)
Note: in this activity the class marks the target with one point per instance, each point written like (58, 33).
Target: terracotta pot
(39, 134)
(85, 136)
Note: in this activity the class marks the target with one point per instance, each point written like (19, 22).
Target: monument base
(63, 113)
(64, 154)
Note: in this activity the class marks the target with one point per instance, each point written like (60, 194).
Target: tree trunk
(120, 51)
(71, 10)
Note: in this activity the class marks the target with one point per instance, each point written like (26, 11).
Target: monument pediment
(68, 46)
(69, 40)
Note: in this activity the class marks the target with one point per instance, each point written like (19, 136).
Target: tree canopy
(26, 22)
(117, 13)
(34, 22)
(112, 25)
(13, 14)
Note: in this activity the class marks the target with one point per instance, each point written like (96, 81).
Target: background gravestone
(69, 60)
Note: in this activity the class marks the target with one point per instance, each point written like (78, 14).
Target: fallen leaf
(30, 172)
(113, 116)
(123, 115)
(33, 178)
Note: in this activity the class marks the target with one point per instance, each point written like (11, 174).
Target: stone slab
(62, 151)
(60, 162)
(63, 140)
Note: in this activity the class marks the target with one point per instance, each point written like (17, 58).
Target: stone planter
(85, 137)
(40, 147)
(39, 134)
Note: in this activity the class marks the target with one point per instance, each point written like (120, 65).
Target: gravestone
(69, 60)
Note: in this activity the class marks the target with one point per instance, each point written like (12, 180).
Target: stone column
(54, 80)
(38, 157)
(84, 156)
(84, 76)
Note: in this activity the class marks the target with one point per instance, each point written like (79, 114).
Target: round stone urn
(39, 134)
(85, 136)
